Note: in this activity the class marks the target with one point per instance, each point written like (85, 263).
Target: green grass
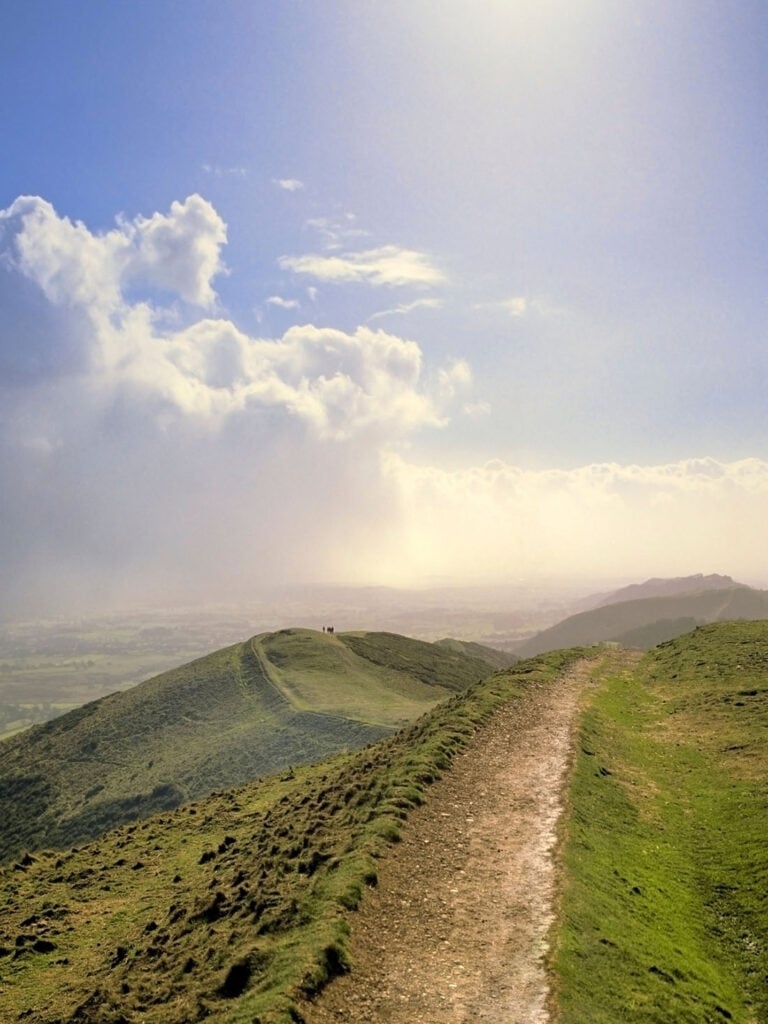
(380, 679)
(292, 697)
(663, 914)
(235, 908)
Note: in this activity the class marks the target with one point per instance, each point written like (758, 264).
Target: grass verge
(663, 915)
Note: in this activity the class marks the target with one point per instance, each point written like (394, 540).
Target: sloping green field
(287, 698)
(378, 678)
(233, 908)
(665, 914)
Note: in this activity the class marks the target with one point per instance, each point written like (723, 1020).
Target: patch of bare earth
(456, 930)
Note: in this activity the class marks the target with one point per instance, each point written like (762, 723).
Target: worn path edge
(456, 930)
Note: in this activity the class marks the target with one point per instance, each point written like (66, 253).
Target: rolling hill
(280, 699)
(648, 621)
(238, 907)
(231, 908)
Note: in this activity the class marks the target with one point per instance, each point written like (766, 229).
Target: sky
(396, 294)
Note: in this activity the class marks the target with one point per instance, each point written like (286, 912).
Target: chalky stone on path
(456, 930)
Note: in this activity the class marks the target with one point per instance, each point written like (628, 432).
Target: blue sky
(379, 292)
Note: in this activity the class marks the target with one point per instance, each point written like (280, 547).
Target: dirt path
(456, 930)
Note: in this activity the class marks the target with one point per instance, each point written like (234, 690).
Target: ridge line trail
(456, 930)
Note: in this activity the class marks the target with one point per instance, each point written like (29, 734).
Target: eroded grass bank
(664, 914)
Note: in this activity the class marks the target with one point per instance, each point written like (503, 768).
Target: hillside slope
(664, 916)
(239, 908)
(649, 620)
(499, 659)
(233, 908)
(280, 699)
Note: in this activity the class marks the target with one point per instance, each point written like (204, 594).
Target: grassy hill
(231, 908)
(286, 698)
(664, 916)
(499, 659)
(648, 621)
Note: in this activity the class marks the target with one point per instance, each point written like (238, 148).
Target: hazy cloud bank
(150, 449)
(605, 519)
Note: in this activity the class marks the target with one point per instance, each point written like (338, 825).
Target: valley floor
(456, 930)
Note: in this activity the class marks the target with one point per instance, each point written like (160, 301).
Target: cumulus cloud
(387, 266)
(336, 383)
(281, 303)
(178, 252)
(146, 450)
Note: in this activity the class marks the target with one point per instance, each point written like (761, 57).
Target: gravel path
(456, 930)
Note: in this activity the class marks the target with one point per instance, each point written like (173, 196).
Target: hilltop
(277, 700)
(646, 621)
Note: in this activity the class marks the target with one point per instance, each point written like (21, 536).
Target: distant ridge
(657, 587)
(648, 621)
(279, 699)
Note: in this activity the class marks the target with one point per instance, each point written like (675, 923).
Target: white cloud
(607, 519)
(145, 450)
(281, 303)
(289, 184)
(337, 231)
(146, 446)
(454, 378)
(406, 308)
(178, 252)
(388, 266)
(519, 306)
(70, 265)
(336, 383)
